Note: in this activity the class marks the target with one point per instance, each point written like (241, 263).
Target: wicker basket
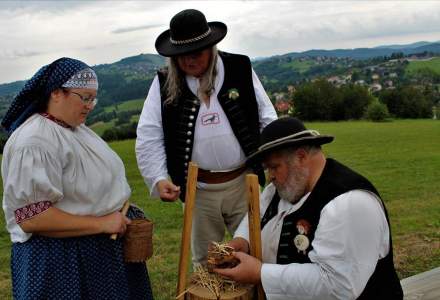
(138, 241)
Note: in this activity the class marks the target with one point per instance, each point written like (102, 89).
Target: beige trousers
(218, 206)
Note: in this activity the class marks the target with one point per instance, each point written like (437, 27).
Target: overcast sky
(34, 33)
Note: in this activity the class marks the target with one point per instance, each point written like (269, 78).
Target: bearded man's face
(288, 176)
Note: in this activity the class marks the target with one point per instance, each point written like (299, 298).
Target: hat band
(197, 38)
(311, 132)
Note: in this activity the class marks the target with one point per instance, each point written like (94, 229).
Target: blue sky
(34, 33)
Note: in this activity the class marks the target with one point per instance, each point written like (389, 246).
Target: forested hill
(130, 77)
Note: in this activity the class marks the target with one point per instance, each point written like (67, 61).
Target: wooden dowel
(123, 212)
(190, 198)
(253, 193)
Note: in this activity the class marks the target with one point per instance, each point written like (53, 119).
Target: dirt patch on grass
(414, 253)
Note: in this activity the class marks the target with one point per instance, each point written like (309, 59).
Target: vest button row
(190, 124)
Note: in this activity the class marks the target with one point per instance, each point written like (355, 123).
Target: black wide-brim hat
(189, 31)
(283, 133)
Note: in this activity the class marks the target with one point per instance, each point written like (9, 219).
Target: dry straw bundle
(220, 256)
(206, 285)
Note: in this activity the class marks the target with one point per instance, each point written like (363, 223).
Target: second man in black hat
(209, 107)
(325, 231)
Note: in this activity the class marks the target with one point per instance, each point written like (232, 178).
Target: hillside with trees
(328, 85)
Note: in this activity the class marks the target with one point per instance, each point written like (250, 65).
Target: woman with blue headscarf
(63, 189)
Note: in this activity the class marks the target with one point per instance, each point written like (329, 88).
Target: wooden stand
(201, 293)
(195, 292)
(253, 192)
(190, 198)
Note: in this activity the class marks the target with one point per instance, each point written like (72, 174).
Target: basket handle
(123, 212)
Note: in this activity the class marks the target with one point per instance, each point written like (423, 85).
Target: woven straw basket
(138, 241)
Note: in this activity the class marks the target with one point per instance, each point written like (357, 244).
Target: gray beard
(295, 187)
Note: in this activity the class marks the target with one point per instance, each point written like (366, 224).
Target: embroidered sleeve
(31, 210)
(32, 181)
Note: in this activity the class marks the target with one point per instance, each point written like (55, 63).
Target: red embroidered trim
(58, 121)
(31, 210)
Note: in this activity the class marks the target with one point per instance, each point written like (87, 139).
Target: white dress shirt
(215, 146)
(352, 235)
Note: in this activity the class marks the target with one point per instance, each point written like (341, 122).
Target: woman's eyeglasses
(86, 100)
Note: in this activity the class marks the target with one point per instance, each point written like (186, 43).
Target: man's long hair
(176, 79)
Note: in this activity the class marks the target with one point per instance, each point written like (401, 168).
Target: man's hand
(239, 244)
(168, 192)
(248, 271)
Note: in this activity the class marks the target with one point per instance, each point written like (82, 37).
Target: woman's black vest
(179, 118)
(335, 180)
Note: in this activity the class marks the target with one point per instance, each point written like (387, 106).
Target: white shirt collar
(287, 207)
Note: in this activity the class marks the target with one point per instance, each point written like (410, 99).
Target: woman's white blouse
(75, 170)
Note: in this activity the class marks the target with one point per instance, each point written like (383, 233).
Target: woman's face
(76, 104)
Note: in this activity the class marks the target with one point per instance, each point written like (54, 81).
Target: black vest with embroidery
(179, 118)
(335, 180)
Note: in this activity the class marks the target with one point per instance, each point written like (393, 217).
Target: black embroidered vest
(179, 118)
(335, 180)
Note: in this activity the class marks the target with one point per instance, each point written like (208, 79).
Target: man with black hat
(208, 107)
(325, 230)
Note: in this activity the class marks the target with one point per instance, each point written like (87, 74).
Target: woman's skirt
(90, 267)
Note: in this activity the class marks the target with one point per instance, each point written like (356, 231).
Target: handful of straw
(220, 256)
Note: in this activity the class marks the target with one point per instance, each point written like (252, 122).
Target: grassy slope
(100, 127)
(126, 105)
(400, 158)
(433, 64)
(300, 66)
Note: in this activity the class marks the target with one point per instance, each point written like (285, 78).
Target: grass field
(432, 64)
(300, 66)
(126, 105)
(100, 127)
(402, 158)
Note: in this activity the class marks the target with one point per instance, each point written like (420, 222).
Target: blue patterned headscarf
(38, 89)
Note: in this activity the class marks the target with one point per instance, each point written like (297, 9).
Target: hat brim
(165, 48)
(258, 156)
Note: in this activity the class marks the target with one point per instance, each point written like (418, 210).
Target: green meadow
(126, 105)
(402, 159)
(419, 65)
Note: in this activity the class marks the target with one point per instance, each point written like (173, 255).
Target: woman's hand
(115, 222)
(54, 222)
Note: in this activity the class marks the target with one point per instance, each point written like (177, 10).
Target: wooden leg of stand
(190, 198)
(253, 192)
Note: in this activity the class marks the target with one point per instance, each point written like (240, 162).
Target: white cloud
(35, 33)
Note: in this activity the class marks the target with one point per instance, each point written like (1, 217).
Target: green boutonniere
(233, 94)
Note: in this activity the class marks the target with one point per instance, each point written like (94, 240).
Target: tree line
(322, 101)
